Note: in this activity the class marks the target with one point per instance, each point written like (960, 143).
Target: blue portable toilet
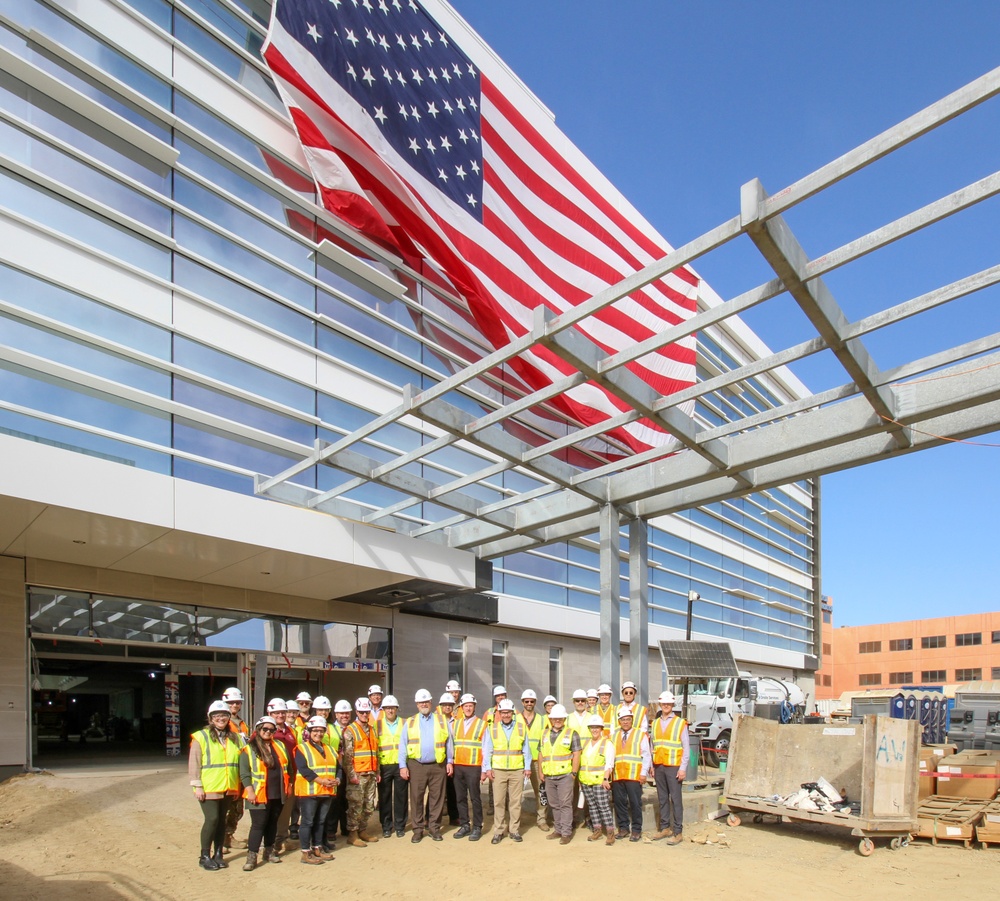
(897, 706)
(925, 719)
(911, 706)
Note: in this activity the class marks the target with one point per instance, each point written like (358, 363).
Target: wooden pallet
(944, 818)
(988, 831)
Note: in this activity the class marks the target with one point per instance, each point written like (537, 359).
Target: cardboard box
(988, 829)
(969, 774)
(930, 757)
(946, 818)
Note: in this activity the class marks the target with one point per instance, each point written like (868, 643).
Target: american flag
(437, 153)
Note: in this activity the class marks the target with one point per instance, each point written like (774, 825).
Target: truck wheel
(721, 751)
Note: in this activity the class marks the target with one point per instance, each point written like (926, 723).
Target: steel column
(638, 615)
(611, 630)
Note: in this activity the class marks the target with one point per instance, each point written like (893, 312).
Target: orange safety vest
(508, 753)
(628, 755)
(323, 763)
(468, 740)
(365, 748)
(667, 746)
(257, 792)
(608, 715)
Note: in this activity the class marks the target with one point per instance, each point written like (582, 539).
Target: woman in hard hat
(316, 781)
(597, 765)
(265, 779)
(213, 767)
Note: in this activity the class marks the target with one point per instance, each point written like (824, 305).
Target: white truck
(713, 703)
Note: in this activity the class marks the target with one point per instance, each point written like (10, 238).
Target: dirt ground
(132, 833)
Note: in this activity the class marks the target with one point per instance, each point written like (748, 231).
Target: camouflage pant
(361, 802)
(233, 815)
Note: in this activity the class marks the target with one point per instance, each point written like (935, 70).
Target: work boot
(207, 862)
(354, 840)
(663, 833)
(595, 835)
(543, 826)
(365, 837)
(610, 840)
(233, 842)
(307, 857)
(271, 855)
(220, 860)
(321, 854)
(251, 863)
(675, 839)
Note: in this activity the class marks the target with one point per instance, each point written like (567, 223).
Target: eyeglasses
(266, 729)
(528, 701)
(629, 691)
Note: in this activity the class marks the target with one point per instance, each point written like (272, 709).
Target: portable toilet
(925, 719)
(897, 706)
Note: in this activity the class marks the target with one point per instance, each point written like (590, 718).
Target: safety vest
(639, 718)
(240, 728)
(556, 759)
(608, 715)
(593, 762)
(366, 748)
(628, 756)
(257, 792)
(508, 753)
(578, 723)
(441, 735)
(220, 763)
(534, 729)
(667, 746)
(469, 741)
(389, 735)
(323, 763)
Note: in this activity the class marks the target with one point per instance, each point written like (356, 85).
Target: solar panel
(698, 660)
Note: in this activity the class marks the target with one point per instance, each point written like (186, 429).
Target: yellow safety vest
(556, 758)
(639, 717)
(535, 730)
(628, 757)
(257, 792)
(578, 723)
(220, 762)
(469, 741)
(508, 753)
(389, 735)
(366, 748)
(593, 761)
(667, 746)
(323, 763)
(441, 736)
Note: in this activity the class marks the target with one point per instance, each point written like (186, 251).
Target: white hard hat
(467, 699)
(218, 707)
(579, 694)
(316, 722)
(232, 694)
(321, 702)
(342, 707)
(666, 697)
(506, 704)
(499, 690)
(276, 704)
(528, 693)
(558, 713)
(266, 720)
(291, 705)
(624, 711)
(363, 705)
(452, 686)
(447, 698)
(595, 720)
(303, 696)
(422, 695)
(389, 701)
(591, 692)
(604, 689)
(548, 698)
(375, 690)
(628, 685)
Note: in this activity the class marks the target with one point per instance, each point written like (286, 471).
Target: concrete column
(14, 688)
(611, 631)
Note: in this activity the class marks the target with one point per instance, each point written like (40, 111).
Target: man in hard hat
(277, 709)
(392, 788)
(605, 709)
(455, 690)
(671, 751)
(292, 724)
(499, 694)
(558, 763)
(337, 816)
(304, 702)
(375, 695)
(597, 764)
(233, 699)
(548, 702)
(577, 721)
(446, 707)
(591, 699)
(506, 763)
(534, 723)
(640, 716)
(426, 757)
(632, 765)
(468, 737)
(361, 773)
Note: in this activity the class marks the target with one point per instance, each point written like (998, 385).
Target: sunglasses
(266, 729)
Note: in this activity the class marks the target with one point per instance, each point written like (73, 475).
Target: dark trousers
(451, 797)
(467, 785)
(628, 805)
(213, 830)
(426, 779)
(393, 796)
(264, 824)
(313, 810)
(670, 797)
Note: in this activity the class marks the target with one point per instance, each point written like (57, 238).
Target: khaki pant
(429, 779)
(508, 790)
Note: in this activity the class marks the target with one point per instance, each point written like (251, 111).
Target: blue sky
(680, 103)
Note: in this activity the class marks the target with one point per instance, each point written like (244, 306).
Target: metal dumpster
(875, 763)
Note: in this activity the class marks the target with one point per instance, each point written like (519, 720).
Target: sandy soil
(107, 834)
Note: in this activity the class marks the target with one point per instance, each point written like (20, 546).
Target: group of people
(308, 767)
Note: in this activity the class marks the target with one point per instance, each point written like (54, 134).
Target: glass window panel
(370, 326)
(158, 11)
(519, 586)
(365, 358)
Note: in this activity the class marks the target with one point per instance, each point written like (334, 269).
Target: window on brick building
(900, 678)
(934, 641)
(869, 679)
(869, 647)
(969, 675)
(933, 675)
(966, 639)
(901, 644)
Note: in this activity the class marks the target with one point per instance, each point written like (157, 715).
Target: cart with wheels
(875, 763)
